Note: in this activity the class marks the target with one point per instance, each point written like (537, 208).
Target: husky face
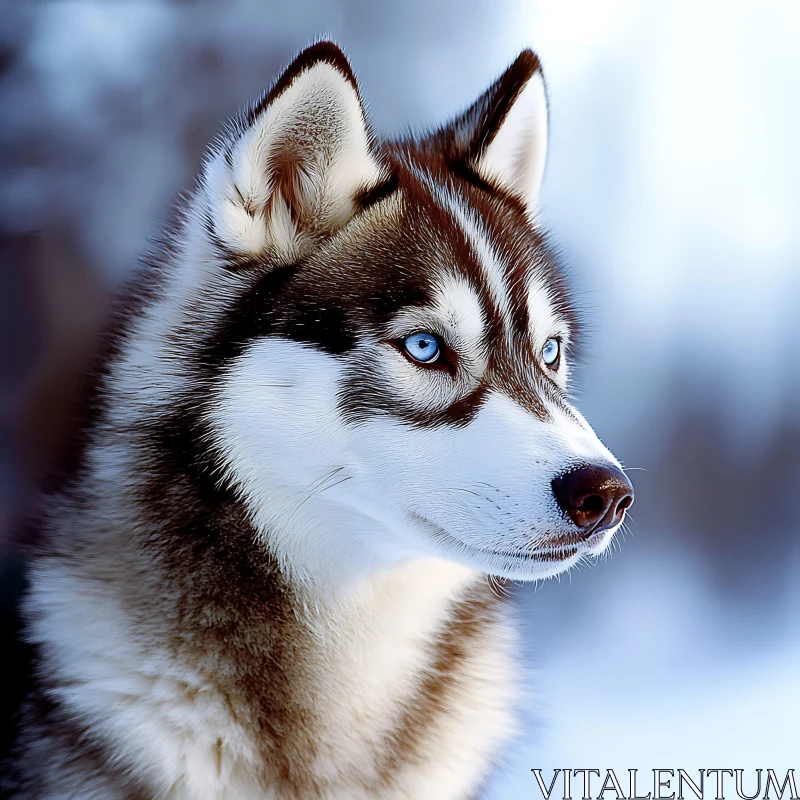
(392, 337)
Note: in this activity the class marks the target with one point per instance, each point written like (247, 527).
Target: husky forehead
(433, 253)
(497, 248)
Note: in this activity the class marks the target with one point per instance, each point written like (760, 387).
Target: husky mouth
(562, 549)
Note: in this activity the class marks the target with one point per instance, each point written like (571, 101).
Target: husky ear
(502, 137)
(296, 162)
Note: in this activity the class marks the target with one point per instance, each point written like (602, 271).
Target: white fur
(544, 320)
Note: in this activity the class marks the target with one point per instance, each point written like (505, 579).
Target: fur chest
(401, 688)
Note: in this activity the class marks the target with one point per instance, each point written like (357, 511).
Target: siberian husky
(336, 408)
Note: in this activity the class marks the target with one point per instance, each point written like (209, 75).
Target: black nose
(594, 498)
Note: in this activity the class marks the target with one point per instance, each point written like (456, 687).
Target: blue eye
(422, 347)
(551, 352)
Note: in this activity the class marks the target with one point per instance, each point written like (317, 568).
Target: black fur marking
(368, 197)
(325, 325)
(254, 314)
(362, 397)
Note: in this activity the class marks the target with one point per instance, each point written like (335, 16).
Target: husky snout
(595, 498)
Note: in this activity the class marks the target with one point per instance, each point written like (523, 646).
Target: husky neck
(387, 610)
(416, 582)
(354, 598)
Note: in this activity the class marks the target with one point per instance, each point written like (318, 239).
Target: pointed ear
(502, 137)
(295, 163)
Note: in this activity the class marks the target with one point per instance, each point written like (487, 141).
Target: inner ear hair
(297, 163)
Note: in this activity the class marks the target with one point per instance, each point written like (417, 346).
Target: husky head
(379, 337)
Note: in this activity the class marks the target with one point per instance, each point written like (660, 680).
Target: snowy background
(673, 184)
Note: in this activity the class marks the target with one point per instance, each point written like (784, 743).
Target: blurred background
(672, 185)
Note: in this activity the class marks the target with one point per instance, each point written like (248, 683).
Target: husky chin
(336, 406)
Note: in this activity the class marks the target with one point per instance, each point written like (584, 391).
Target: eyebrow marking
(459, 305)
(543, 320)
(493, 268)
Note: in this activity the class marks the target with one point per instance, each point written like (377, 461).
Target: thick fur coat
(335, 403)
